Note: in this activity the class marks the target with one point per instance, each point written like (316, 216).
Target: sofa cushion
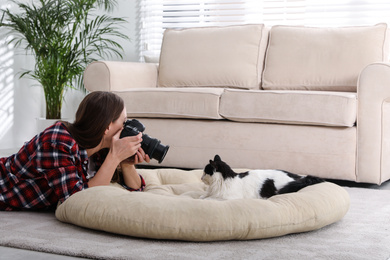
(200, 103)
(230, 56)
(304, 58)
(290, 107)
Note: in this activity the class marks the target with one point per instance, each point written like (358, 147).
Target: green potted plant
(64, 36)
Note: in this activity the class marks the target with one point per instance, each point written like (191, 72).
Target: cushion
(230, 56)
(331, 59)
(200, 103)
(151, 59)
(290, 107)
(170, 208)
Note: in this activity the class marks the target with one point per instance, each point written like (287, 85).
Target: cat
(223, 183)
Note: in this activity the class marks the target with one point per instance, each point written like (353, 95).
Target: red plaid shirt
(46, 170)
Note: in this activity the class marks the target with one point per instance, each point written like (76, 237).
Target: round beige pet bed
(170, 208)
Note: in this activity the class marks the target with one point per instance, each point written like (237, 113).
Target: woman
(67, 158)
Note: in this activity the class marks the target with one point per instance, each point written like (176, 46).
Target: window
(158, 15)
(7, 92)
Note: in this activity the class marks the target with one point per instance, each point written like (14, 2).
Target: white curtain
(158, 15)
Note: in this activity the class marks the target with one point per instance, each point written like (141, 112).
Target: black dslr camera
(151, 146)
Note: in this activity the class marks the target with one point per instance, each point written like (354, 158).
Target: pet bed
(170, 208)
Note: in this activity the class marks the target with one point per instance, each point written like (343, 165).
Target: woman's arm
(106, 171)
(130, 176)
(119, 151)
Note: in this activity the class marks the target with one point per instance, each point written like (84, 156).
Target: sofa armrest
(373, 124)
(119, 76)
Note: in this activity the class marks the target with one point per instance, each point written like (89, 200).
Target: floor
(7, 253)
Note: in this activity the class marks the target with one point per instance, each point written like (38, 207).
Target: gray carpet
(364, 233)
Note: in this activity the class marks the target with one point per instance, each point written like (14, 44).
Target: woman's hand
(127, 152)
(123, 148)
(139, 157)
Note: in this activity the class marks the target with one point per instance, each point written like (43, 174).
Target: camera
(151, 146)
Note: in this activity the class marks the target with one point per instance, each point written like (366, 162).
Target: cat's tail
(299, 184)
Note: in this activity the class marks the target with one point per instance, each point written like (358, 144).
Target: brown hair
(95, 113)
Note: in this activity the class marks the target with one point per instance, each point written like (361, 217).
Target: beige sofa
(306, 100)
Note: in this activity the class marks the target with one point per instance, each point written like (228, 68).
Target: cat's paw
(203, 197)
(206, 197)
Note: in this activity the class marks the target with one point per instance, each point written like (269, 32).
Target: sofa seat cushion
(290, 107)
(330, 59)
(200, 103)
(229, 56)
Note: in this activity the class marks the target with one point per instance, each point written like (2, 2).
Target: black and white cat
(224, 183)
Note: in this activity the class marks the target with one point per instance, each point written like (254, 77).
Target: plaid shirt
(46, 170)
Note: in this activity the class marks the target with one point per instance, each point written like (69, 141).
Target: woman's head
(93, 117)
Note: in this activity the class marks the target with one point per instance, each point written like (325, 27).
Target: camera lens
(160, 152)
(151, 146)
(154, 148)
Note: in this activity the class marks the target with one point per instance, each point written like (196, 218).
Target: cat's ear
(217, 158)
(212, 163)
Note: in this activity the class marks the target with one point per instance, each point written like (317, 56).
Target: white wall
(22, 100)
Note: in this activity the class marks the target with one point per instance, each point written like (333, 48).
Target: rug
(364, 233)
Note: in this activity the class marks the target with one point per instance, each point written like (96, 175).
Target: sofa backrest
(304, 58)
(293, 57)
(229, 56)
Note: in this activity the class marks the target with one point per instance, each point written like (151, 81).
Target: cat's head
(216, 169)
